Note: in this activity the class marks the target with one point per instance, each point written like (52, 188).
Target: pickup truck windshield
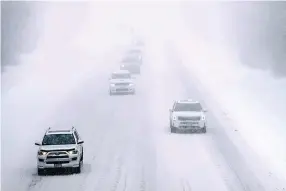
(188, 107)
(58, 139)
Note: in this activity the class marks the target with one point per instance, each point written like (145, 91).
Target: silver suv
(187, 115)
(121, 82)
(60, 149)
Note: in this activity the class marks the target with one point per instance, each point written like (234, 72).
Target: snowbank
(252, 99)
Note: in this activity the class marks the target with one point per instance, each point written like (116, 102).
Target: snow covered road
(128, 145)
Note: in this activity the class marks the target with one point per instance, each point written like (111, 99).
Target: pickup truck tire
(77, 170)
(41, 172)
(173, 130)
(204, 129)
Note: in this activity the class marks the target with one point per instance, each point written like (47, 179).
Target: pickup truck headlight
(73, 152)
(42, 153)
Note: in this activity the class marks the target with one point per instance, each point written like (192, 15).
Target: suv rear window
(58, 139)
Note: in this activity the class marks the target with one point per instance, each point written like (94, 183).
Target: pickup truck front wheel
(41, 172)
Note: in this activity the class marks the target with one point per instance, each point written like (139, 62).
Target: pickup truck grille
(58, 155)
(192, 118)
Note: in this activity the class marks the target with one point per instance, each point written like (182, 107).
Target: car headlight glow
(42, 153)
(73, 152)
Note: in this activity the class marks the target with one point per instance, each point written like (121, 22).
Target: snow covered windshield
(188, 107)
(120, 76)
(58, 139)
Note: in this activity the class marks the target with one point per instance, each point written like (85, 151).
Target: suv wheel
(81, 159)
(173, 130)
(78, 169)
(41, 172)
(204, 130)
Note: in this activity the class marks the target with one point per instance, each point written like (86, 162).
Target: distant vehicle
(121, 82)
(60, 149)
(138, 42)
(136, 54)
(132, 64)
(187, 116)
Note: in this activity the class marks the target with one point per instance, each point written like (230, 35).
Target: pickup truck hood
(57, 147)
(188, 113)
(113, 81)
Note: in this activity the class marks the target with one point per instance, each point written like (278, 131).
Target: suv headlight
(74, 152)
(42, 153)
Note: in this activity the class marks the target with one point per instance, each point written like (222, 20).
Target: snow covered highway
(128, 145)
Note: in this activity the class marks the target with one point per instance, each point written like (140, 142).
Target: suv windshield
(130, 59)
(120, 76)
(58, 139)
(188, 107)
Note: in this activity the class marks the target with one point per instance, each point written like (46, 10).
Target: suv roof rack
(48, 130)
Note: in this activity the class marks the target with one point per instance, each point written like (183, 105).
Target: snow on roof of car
(63, 130)
(121, 72)
(187, 101)
(59, 132)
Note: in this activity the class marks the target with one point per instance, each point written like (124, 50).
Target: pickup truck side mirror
(38, 143)
(80, 142)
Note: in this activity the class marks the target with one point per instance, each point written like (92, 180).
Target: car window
(121, 76)
(58, 139)
(188, 107)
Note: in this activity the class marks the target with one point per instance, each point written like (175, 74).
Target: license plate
(58, 165)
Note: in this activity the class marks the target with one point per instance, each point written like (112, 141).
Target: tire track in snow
(35, 182)
(117, 176)
(142, 182)
(185, 185)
